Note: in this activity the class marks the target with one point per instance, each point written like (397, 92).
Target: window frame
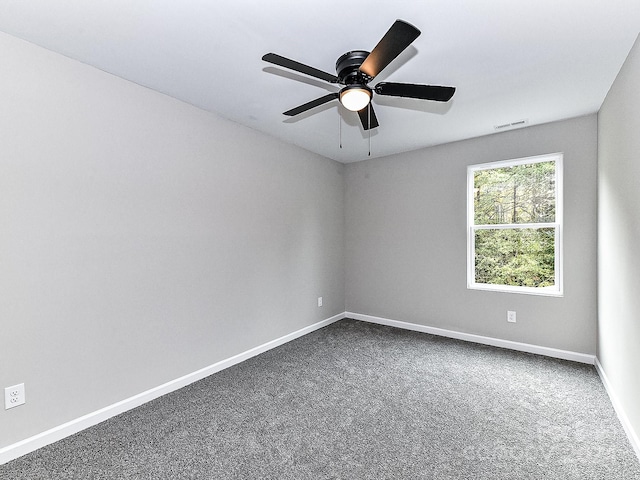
(557, 289)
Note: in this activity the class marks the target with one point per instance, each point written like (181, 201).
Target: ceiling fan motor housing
(348, 68)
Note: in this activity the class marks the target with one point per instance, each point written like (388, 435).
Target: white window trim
(555, 291)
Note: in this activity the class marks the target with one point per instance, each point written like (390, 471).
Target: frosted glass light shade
(355, 98)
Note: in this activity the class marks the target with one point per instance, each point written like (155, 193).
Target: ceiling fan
(355, 69)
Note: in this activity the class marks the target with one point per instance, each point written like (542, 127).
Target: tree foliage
(509, 197)
(516, 257)
(517, 194)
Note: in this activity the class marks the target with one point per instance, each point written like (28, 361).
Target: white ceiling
(541, 60)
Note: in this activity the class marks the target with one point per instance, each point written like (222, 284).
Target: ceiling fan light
(355, 97)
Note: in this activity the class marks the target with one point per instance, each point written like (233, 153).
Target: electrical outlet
(319, 301)
(511, 316)
(14, 396)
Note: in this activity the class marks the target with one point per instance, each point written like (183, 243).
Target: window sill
(544, 291)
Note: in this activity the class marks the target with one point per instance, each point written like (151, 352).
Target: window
(514, 224)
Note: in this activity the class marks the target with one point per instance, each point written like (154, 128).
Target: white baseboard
(30, 444)
(622, 416)
(496, 342)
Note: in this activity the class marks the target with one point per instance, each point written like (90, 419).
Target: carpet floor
(360, 401)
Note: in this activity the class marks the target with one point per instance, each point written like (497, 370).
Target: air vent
(516, 124)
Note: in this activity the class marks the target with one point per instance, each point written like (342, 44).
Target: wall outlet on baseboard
(14, 396)
(319, 301)
(511, 316)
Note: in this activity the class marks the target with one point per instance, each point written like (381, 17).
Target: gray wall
(406, 239)
(143, 239)
(619, 237)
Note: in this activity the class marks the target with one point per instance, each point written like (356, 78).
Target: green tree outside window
(514, 225)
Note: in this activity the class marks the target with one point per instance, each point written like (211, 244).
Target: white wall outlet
(511, 316)
(14, 396)
(319, 301)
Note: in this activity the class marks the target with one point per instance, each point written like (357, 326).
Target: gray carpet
(361, 401)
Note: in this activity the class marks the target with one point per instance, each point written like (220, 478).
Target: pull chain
(369, 123)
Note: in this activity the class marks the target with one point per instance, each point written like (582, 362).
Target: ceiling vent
(516, 124)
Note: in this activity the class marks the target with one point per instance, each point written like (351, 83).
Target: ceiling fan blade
(312, 104)
(400, 36)
(368, 117)
(299, 67)
(423, 92)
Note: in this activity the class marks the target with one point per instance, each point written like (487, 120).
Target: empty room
(297, 240)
